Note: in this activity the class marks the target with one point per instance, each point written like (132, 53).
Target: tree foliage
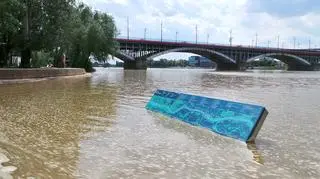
(264, 62)
(93, 36)
(55, 27)
(41, 59)
(10, 26)
(164, 63)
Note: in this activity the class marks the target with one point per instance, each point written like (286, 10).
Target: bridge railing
(177, 41)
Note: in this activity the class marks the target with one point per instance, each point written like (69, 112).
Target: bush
(40, 59)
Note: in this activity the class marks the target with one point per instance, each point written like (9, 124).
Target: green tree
(43, 26)
(56, 27)
(10, 25)
(93, 35)
(40, 59)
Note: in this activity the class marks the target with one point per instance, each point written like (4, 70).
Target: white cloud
(213, 17)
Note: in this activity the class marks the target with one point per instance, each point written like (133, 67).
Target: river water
(97, 127)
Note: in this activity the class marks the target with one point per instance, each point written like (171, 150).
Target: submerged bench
(232, 119)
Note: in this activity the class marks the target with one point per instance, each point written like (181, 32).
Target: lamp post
(256, 39)
(309, 44)
(230, 37)
(128, 27)
(177, 36)
(196, 34)
(161, 31)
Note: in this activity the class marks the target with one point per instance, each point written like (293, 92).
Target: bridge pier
(297, 67)
(316, 67)
(228, 67)
(138, 64)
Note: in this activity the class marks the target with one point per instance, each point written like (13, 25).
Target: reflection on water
(257, 156)
(97, 127)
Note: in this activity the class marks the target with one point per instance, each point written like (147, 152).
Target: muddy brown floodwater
(97, 127)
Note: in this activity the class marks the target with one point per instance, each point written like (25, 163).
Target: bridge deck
(301, 52)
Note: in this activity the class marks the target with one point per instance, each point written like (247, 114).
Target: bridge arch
(294, 62)
(123, 56)
(215, 56)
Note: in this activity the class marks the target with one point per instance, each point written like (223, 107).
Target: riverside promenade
(18, 75)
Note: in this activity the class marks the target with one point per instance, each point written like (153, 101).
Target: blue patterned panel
(231, 119)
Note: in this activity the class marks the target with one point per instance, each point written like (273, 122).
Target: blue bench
(232, 119)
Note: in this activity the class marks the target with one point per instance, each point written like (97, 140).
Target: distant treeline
(118, 64)
(165, 63)
(264, 63)
(162, 63)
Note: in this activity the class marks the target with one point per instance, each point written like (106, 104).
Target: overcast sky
(246, 18)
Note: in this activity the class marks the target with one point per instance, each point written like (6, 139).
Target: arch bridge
(135, 53)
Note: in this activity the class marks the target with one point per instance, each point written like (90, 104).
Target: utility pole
(278, 41)
(208, 35)
(252, 43)
(294, 42)
(256, 39)
(128, 27)
(176, 36)
(196, 34)
(230, 37)
(145, 33)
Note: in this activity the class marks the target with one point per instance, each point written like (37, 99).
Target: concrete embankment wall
(26, 73)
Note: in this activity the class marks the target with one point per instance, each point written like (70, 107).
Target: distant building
(198, 61)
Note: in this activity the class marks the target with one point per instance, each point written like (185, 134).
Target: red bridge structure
(135, 52)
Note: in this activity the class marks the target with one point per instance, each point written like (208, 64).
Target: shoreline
(14, 76)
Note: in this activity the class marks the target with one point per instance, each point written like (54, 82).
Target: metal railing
(213, 44)
(175, 41)
(262, 48)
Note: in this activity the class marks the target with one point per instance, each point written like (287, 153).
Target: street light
(309, 44)
(256, 39)
(177, 36)
(128, 27)
(196, 34)
(230, 38)
(161, 31)
(145, 33)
